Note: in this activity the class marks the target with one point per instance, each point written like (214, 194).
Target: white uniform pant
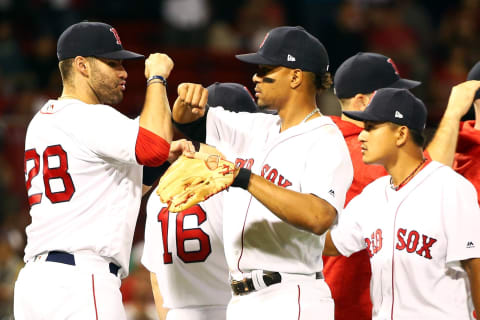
(296, 300)
(204, 313)
(51, 290)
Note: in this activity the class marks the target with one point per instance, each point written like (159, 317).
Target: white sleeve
(109, 134)
(234, 129)
(347, 235)
(329, 171)
(462, 221)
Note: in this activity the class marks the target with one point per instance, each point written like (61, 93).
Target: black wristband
(157, 79)
(243, 179)
(151, 174)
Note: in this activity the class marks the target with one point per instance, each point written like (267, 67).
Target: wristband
(243, 179)
(160, 79)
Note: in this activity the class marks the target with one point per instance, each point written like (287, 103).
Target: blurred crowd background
(434, 41)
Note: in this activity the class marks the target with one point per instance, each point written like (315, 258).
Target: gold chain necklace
(408, 178)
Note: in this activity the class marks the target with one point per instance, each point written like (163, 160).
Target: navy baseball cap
(398, 106)
(366, 72)
(474, 74)
(231, 96)
(92, 39)
(291, 47)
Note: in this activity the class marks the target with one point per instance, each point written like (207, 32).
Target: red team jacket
(468, 152)
(349, 278)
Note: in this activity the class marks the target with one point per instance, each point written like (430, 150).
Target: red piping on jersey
(243, 232)
(395, 226)
(150, 149)
(299, 310)
(266, 156)
(94, 299)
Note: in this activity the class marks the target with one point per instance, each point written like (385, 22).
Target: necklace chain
(310, 115)
(408, 178)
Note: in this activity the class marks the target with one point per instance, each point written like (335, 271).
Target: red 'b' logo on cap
(394, 66)
(115, 34)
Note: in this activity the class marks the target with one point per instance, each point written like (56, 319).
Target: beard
(107, 93)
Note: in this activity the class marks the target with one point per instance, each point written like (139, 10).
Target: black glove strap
(243, 179)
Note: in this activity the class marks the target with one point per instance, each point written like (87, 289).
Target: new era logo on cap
(290, 47)
(398, 115)
(470, 245)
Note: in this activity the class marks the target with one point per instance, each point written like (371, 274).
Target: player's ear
(82, 65)
(296, 78)
(401, 134)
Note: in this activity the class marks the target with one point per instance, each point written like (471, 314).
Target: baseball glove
(189, 181)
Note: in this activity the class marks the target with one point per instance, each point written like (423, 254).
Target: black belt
(245, 286)
(68, 258)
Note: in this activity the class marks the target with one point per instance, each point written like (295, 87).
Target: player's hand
(205, 148)
(461, 99)
(158, 64)
(179, 147)
(192, 98)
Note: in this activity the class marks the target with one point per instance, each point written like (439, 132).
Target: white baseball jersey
(83, 181)
(310, 158)
(416, 238)
(185, 251)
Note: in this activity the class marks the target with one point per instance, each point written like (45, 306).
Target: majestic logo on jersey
(115, 34)
(273, 176)
(470, 245)
(412, 243)
(374, 243)
(394, 66)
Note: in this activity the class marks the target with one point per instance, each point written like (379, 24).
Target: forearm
(157, 296)
(329, 248)
(472, 267)
(444, 143)
(304, 211)
(156, 115)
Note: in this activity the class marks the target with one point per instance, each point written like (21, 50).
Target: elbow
(323, 221)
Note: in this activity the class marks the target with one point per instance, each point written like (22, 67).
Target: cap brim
(254, 58)
(362, 116)
(405, 84)
(121, 55)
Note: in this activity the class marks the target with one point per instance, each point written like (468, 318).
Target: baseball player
(295, 171)
(83, 171)
(418, 225)
(189, 273)
(468, 147)
(354, 83)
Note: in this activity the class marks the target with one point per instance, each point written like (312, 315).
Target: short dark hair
(65, 67)
(418, 137)
(321, 81)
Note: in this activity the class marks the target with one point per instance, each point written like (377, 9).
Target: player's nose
(362, 136)
(256, 78)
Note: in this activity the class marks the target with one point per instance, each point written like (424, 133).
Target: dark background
(434, 41)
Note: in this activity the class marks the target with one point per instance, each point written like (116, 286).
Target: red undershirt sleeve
(151, 150)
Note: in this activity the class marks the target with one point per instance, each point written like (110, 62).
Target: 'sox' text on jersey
(272, 175)
(410, 241)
